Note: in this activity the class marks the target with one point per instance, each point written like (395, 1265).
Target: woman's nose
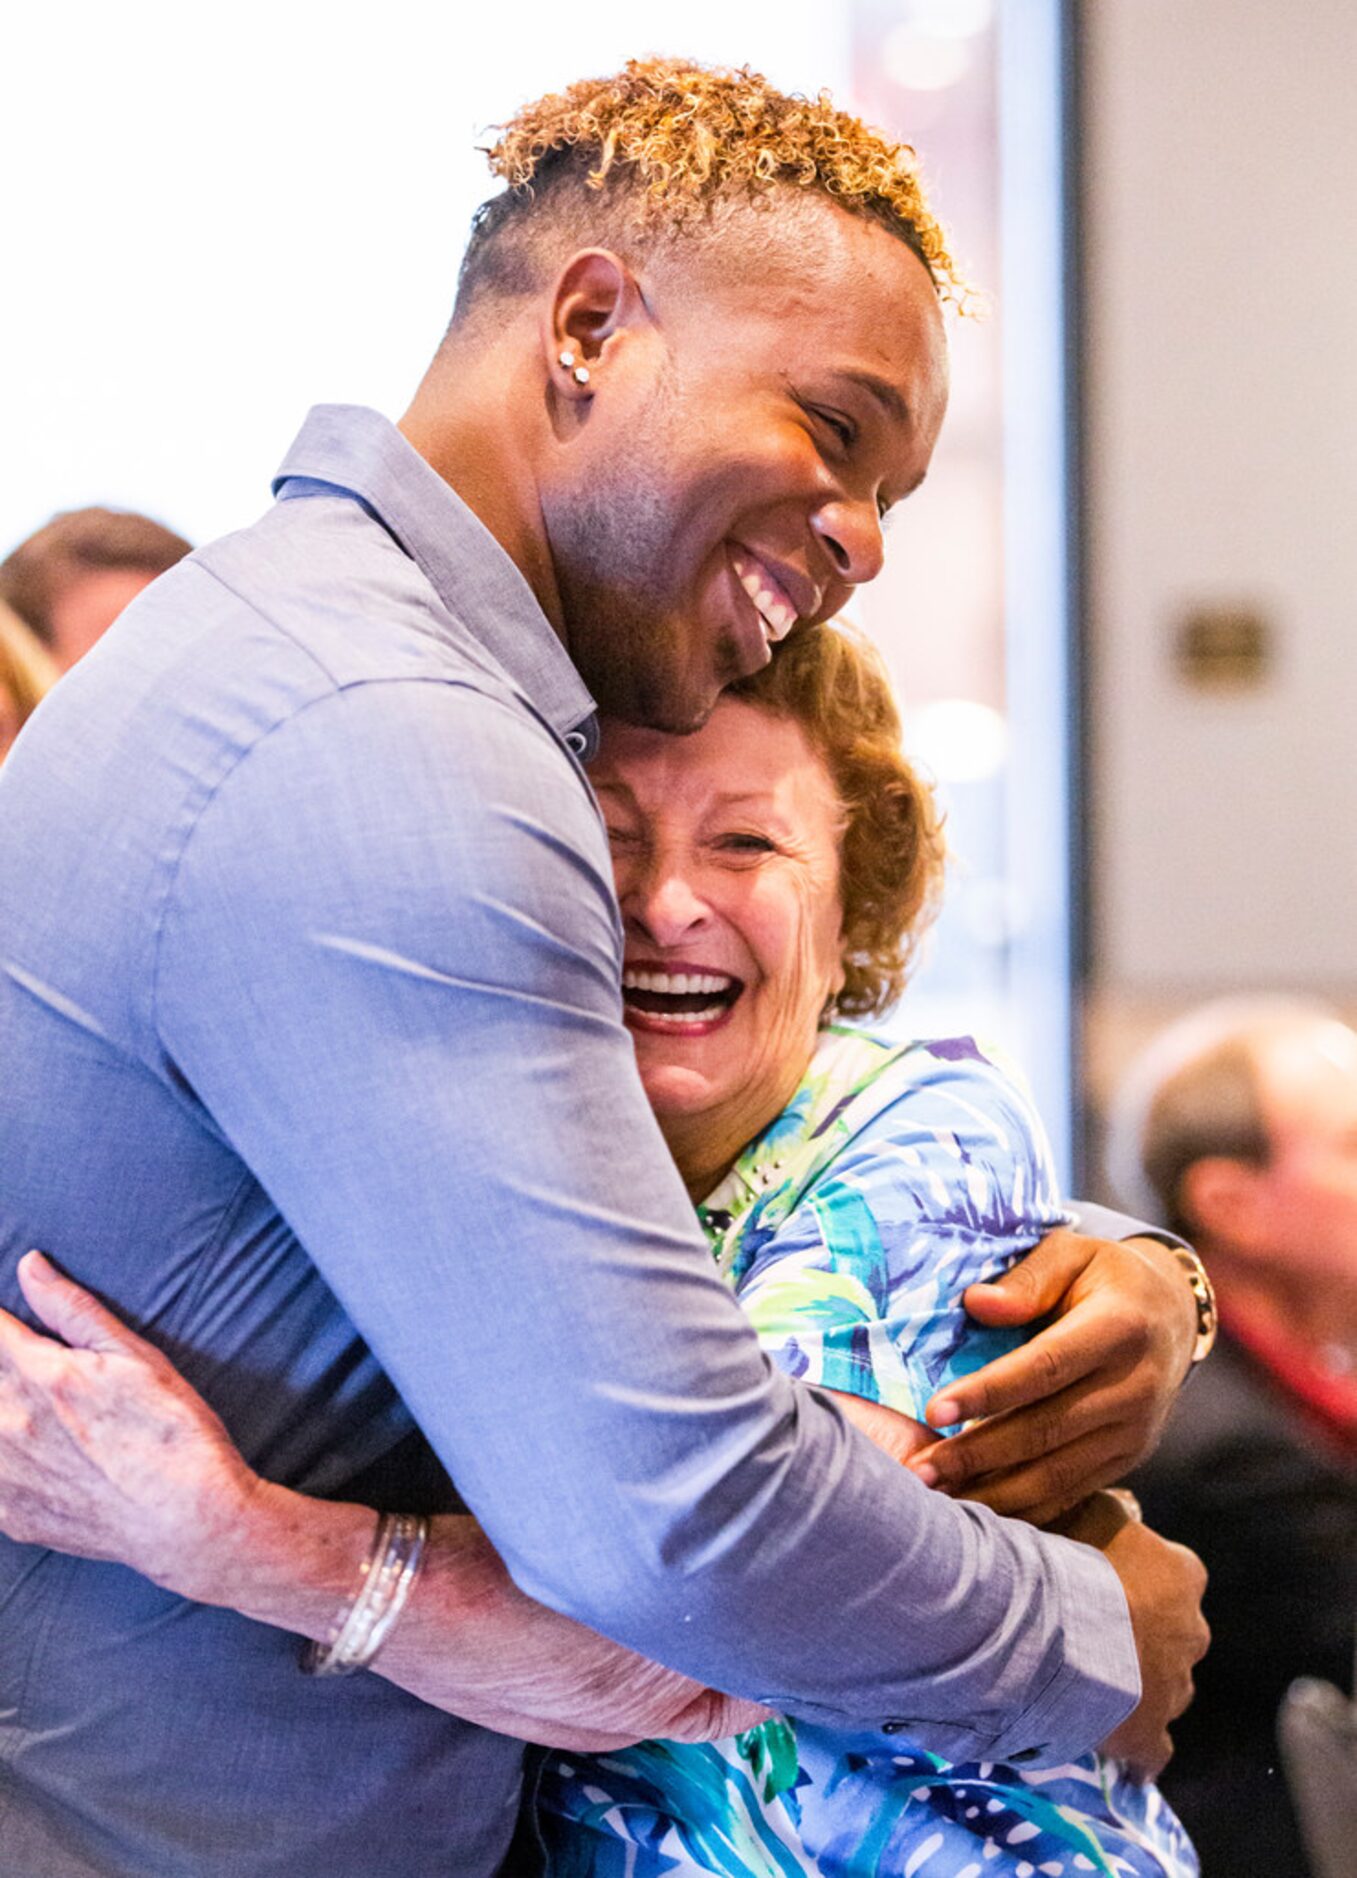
(851, 532)
(664, 905)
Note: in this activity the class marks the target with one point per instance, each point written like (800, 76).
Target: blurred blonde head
(27, 673)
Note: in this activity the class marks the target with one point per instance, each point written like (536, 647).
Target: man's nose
(663, 903)
(851, 533)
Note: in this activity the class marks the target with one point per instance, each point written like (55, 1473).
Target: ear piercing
(580, 373)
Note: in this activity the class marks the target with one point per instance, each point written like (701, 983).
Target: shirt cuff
(1104, 1222)
(1098, 1683)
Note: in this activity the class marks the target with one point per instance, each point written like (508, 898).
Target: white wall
(218, 215)
(1222, 464)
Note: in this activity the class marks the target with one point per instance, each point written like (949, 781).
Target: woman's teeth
(675, 984)
(680, 998)
(774, 608)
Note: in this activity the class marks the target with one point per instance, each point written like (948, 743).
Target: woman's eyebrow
(732, 798)
(611, 786)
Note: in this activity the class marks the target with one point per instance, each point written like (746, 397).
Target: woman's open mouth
(678, 1001)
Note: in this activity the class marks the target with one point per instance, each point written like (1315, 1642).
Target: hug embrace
(479, 858)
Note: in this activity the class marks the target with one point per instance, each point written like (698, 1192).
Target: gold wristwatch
(1203, 1292)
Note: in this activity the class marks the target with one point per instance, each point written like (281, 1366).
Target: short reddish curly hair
(834, 684)
(654, 149)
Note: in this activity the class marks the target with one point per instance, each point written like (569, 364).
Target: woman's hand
(106, 1452)
(1086, 1399)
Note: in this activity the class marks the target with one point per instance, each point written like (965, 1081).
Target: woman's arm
(106, 1452)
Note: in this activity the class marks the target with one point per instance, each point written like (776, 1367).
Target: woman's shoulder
(914, 1124)
(872, 1085)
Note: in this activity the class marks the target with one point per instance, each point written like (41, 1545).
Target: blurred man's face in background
(1306, 1195)
(84, 609)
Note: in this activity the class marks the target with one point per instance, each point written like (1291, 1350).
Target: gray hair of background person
(1195, 1092)
(77, 542)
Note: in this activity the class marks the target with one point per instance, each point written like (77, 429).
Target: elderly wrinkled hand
(1085, 1400)
(104, 1450)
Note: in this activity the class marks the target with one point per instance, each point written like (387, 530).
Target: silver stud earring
(565, 359)
(581, 374)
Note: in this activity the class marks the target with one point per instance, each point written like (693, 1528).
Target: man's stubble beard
(610, 545)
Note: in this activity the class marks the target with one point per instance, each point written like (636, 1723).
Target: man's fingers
(1008, 1440)
(1055, 1482)
(1060, 1356)
(1036, 1284)
(70, 1311)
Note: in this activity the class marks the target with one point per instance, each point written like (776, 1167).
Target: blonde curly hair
(654, 150)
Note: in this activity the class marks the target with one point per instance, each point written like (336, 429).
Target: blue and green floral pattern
(896, 1176)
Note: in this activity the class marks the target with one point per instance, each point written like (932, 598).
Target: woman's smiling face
(725, 849)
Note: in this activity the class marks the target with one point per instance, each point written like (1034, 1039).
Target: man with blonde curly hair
(329, 1092)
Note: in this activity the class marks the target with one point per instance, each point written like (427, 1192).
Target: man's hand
(106, 1452)
(1163, 1583)
(1086, 1399)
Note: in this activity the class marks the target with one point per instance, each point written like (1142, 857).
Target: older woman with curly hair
(774, 872)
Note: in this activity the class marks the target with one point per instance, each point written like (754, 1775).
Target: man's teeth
(776, 611)
(675, 984)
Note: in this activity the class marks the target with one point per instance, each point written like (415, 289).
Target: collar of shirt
(345, 449)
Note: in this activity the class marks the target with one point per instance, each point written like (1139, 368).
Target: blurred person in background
(26, 673)
(1240, 1125)
(71, 579)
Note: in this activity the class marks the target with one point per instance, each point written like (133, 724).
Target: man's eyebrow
(885, 393)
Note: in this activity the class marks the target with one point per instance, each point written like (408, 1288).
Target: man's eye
(745, 844)
(621, 837)
(844, 429)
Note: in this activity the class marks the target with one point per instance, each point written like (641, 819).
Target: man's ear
(596, 300)
(1223, 1200)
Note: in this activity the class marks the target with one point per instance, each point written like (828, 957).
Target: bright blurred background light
(958, 740)
(946, 19)
(930, 48)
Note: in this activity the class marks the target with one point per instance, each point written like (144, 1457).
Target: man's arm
(105, 1451)
(389, 972)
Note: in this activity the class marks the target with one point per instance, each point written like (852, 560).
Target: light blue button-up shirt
(312, 1063)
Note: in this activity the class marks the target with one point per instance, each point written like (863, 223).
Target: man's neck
(470, 422)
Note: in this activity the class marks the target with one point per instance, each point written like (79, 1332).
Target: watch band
(1204, 1295)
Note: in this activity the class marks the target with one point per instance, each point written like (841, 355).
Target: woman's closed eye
(744, 844)
(623, 840)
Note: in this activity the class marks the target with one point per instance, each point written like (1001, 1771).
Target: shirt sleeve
(388, 971)
(947, 1183)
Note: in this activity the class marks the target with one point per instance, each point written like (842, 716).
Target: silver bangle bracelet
(362, 1625)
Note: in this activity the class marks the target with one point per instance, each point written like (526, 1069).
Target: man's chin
(648, 708)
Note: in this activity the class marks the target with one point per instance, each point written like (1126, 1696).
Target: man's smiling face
(739, 453)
